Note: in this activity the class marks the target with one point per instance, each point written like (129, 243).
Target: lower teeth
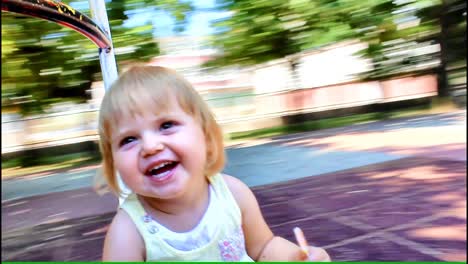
(161, 175)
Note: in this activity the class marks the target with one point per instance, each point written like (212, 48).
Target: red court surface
(412, 209)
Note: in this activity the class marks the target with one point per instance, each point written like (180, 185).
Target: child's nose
(151, 146)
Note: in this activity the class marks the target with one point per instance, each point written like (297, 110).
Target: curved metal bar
(62, 14)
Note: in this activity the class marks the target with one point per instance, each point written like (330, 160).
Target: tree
(449, 16)
(264, 30)
(43, 62)
(259, 31)
(441, 23)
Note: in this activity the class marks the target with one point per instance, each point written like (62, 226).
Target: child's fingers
(301, 241)
(318, 255)
(301, 256)
(309, 253)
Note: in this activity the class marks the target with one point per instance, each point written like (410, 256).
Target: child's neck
(190, 207)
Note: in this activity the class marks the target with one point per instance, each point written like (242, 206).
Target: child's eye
(167, 125)
(126, 141)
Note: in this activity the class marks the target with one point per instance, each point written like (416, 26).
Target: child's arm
(261, 244)
(123, 241)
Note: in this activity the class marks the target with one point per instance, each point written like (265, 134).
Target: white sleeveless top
(217, 237)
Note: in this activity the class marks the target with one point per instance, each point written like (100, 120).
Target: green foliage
(42, 60)
(259, 31)
(450, 18)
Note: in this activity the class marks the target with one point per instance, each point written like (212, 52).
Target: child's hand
(309, 253)
(316, 254)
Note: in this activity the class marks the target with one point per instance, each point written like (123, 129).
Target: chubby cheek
(201, 157)
(117, 158)
(195, 157)
(125, 163)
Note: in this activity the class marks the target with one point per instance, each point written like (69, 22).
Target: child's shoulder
(234, 184)
(239, 189)
(123, 224)
(123, 236)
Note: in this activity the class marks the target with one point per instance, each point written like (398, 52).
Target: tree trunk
(443, 87)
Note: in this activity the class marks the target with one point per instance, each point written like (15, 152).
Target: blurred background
(268, 69)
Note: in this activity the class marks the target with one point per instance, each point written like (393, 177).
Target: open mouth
(161, 170)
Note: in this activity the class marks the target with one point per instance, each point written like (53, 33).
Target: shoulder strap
(224, 194)
(137, 213)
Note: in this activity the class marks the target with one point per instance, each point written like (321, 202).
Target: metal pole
(108, 65)
(106, 57)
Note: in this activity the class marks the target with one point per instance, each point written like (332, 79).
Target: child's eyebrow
(167, 116)
(119, 134)
(163, 115)
(121, 131)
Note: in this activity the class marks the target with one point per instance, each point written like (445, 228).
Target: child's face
(160, 155)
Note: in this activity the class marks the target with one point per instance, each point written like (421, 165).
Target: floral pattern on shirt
(233, 248)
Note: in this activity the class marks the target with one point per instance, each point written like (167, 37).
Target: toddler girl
(160, 136)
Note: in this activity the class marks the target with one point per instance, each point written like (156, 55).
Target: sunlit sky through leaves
(163, 23)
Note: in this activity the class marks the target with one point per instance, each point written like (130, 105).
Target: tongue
(164, 169)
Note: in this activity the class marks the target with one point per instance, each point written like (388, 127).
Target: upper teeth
(161, 165)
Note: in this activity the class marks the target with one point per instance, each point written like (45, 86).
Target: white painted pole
(106, 57)
(108, 65)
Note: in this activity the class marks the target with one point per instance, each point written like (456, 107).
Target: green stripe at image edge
(378, 262)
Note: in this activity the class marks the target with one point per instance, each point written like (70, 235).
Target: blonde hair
(149, 88)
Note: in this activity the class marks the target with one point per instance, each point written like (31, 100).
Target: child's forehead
(125, 107)
(140, 102)
(145, 110)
